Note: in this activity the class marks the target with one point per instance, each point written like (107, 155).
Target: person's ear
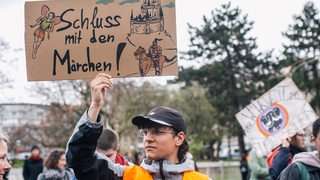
(180, 138)
(313, 139)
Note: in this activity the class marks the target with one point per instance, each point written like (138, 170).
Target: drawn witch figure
(46, 23)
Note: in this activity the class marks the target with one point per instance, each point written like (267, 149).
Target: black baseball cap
(164, 116)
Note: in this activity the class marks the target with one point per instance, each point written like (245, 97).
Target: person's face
(4, 164)
(110, 153)
(62, 162)
(35, 152)
(161, 143)
(299, 139)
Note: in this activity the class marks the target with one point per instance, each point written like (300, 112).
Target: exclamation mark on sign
(119, 52)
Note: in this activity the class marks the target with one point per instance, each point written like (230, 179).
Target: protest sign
(280, 112)
(76, 39)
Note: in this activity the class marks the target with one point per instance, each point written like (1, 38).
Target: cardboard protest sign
(76, 39)
(280, 112)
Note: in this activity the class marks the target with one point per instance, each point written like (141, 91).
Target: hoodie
(310, 160)
(166, 169)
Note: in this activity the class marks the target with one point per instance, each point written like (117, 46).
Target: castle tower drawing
(150, 19)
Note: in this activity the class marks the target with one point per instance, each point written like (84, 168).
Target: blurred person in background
(33, 165)
(128, 156)
(258, 167)
(4, 164)
(137, 157)
(55, 167)
(108, 144)
(244, 169)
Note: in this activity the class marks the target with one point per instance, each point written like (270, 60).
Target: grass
(17, 163)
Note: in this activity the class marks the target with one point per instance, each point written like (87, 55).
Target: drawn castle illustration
(149, 20)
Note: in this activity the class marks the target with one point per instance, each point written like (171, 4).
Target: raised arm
(82, 144)
(99, 86)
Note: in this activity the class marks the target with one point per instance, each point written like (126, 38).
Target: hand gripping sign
(280, 112)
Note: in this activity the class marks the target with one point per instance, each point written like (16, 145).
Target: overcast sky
(271, 17)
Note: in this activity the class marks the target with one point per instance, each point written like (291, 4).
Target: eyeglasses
(154, 132)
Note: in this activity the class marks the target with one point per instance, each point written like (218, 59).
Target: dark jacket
(282, 160)
(32, 168)
(81, 156)
(310, 160)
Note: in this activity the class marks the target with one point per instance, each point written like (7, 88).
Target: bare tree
(5, 81)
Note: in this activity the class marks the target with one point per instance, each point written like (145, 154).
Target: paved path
(15, 174)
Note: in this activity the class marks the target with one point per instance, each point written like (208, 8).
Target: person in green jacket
(258, 167)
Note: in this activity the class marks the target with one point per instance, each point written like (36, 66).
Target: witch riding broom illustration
(46, 23)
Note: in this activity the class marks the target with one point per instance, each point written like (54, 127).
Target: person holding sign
(306, 165)
(164, 137)
(282, 156)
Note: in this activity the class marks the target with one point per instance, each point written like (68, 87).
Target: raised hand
(98, 86)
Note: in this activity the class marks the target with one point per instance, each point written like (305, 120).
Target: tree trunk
(241, 143)
(211, 150)
(218, 150)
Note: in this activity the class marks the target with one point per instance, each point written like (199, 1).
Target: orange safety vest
(138, 173)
